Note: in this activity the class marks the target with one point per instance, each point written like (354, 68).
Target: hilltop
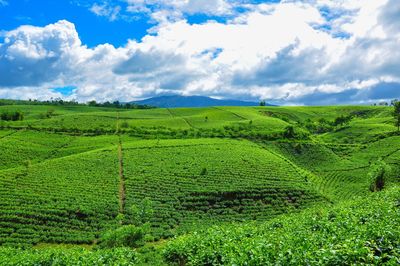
(173, 101)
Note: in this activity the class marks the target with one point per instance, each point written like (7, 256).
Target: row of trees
(61, 102)
(117, 104)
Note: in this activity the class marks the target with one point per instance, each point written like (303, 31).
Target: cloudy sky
(310, 52)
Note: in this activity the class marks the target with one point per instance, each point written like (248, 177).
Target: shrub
(124, 124)
(289, 132)
(203, 171)
(125, 236)
(142, 213)
(12, 116)
(377, 175)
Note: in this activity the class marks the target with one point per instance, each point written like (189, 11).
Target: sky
(289, 52)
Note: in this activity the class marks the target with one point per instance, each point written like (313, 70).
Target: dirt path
(121, 189)
(121, 178)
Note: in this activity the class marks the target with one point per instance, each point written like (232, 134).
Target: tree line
(61, 102)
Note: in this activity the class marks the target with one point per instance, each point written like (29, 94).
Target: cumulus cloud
(30, 56)
(298, 52)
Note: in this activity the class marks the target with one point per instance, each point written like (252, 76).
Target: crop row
(215, 180)
(66, 200)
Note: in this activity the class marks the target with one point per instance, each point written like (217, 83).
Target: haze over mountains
(171, 101)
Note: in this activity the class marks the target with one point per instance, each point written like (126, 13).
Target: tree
(342, 120)
(396, 115)
(262, 103)
(92, 103)
(142, 213)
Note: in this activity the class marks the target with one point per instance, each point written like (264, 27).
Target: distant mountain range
(191, 101)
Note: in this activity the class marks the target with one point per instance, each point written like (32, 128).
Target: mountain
(191, 101)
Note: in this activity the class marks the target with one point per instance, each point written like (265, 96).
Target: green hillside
(74, 177)
(360, 232)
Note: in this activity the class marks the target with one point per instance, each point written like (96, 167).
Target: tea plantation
(84, 185)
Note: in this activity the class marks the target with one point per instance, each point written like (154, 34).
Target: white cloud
(173, 10)
(33, 55)
(105, 10)
(3, 3)
(287, 51)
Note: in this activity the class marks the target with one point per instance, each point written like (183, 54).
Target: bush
(64, 256)
(125, 236)
(342, 120)
(203, 171)
(12, 116)
(124, 124)
(377, 175)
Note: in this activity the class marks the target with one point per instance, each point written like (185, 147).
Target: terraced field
(212, 180)
(70, 174)
(66, 200)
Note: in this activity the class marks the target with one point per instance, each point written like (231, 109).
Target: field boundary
(122, 188)
(233, 113)
(181, 117)
(10, 134)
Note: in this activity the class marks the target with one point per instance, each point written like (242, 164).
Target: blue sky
(287, 52)
(93, 30)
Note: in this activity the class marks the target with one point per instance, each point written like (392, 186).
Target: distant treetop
(61, 102)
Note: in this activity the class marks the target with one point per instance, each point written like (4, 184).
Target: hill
(173, 101)
(359, 232)
(79, 176)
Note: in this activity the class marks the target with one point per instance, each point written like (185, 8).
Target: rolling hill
(191, 179)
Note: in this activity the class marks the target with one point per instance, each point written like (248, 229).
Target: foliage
(63, 256)
(242, 181)
(59, 180)
(61, 102)
(49, 113)
(377, 175)
(12, 116)
(360, 232)
(342, 120)
(142, 213)
(117, 104)
(125, 236)
(63, 200)
(396, 114)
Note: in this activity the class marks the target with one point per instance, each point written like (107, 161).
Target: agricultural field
(199, 186)
(360, 232)
(212, 181)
